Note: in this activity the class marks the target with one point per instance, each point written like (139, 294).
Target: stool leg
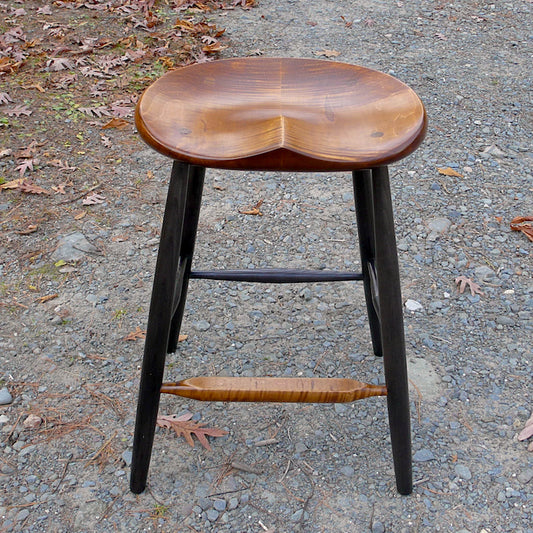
(364, 209)
(159, 322)
(188, 239)
(392, 332)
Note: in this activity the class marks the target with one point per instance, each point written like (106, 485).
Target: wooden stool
(279, 115)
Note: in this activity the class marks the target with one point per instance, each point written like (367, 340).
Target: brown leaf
(463, 282)
(18, 110)
(47, 298)
(5, 98)
(255, 210)
(115, 123)
(136, 334)
(182, 338)
(327, 53)
(447, 171)
(527, 432)
(32, 228)
(26, 164)
(93, 199)
(13, 184)
(29, 188)
(183, 426)
(524, 225)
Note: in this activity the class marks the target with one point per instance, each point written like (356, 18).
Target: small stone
(212, 515)
(4, 419)
(5, 397)
(463, 472)
(73, 247)
(202, 325)
(127, 456)
(439, 225)
(300, 447)
(505, 321)
(22, 515)
(378, 527)
(32, 422)
(233, 504)
(526, 476)
(423, 455)
(347, 471)
(296, 517)
(220, 505)
(340, 408)
(413, 305)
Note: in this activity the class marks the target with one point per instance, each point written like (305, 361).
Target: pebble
(347, 471)
(423, 455)
(219, 505)
(127, 456)
(5, 397)
(212, 515)
(73, 247)
(202, 325)
(378, 527)
(525, 476)
(413, 305)
(463, 472)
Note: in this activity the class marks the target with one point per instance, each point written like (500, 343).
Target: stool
(279, 115)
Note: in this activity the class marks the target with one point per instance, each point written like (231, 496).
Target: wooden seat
(281, 114)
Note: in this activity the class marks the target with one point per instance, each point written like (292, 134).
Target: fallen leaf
(32, 422)
(182, 338)
(5, 98)
(80, 215)
(183, 426)
(26, 164)
(327, 53)
(463, 282)
(47, 298)
(18, 110)
(255, 210)
(527, 432)
(32, 228)
(115, 123)
(93, 199)
(94, 111)
(5, 152)
(13, 184)
(447, 171)
(120, 238)
(524, 225)
(29, 188)
(134, 335)
(60, 189)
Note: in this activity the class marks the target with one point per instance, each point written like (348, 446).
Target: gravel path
(329, 467)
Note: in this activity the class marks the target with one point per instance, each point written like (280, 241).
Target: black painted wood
(272, 275)
(392, 330)
(364, 209)
(158, 330)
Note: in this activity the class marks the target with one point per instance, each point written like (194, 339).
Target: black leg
(188, 238)
(159, 323)
(364, 208)
(392, 332)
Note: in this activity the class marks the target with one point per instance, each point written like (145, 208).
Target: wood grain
(281, 114)
(311, 390)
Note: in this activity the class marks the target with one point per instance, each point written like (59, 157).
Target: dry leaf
(93, 199)
(463, 282)
(447, 171)
(47, 298)
(115, 123)
(182, 338)
(30, 188)
(136, 334)
(527, 432)
(13, 184)
(182, 425)
(255, 210)
(32, 228)
(327, 53)
(524, 225)
(19, 110)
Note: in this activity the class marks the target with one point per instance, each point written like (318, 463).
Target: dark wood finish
(311, 390)
(281, 114)
(164, 294)
(392, 333)
(272, 275)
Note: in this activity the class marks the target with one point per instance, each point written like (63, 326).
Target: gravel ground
(330, 467)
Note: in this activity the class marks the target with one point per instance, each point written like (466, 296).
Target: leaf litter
(184, 427)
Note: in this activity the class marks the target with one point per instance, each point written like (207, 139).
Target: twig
(245, 468)
(81, 195)
(285, 473)
(64, 473)
(418, 403)
(266, 442)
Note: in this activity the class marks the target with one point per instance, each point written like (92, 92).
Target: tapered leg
(159, 323)
(392, 332)
(364, 209)
(188, 238)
